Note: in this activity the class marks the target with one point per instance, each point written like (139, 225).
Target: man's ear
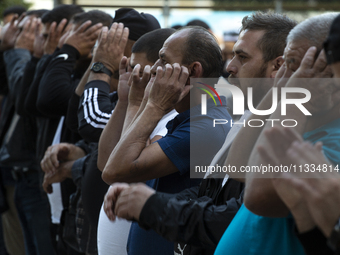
(276, 64)
(195, 70)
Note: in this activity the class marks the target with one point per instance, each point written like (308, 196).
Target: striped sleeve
(95, 110)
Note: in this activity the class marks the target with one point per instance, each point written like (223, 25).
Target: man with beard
(264, 222)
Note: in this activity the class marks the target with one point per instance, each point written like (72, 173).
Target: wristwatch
(99, 67)
(334, 239)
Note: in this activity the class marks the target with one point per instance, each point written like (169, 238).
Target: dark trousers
(34, 213)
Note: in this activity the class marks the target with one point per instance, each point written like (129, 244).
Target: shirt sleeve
(170, 215)
(32, 95)
(95, 110)
(176, 147)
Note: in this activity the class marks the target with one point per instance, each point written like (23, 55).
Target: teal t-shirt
(250, 234)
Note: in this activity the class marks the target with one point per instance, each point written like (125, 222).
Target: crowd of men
(99, 118)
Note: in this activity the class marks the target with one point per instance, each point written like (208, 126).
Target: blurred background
(223, 16)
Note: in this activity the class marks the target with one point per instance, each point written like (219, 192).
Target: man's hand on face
(39, 40)
(54, 35)
(62, 172)
(138, 84)
(84, 37)
(124, 75)
(9, 34)
(321, 190)
(132, 200)
(60, 152)
(25, 39)
(169, 87)
(111, 46)
(275, 155)
(325, 93)
(282, 76)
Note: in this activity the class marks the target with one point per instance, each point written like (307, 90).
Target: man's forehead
(248, 40)
(137, 57)
(295, 49)
(176, 38)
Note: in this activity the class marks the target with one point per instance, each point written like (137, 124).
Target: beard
(259, 83)
(234, 80)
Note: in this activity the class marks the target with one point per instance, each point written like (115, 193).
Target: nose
(232, 68)
(154, 67)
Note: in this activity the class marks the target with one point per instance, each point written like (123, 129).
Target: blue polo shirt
(251, 234)
(186, 126)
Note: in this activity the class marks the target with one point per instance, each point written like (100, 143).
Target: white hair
(315, 30)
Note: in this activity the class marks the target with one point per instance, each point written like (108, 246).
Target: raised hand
(111, 46)
(54, 35)
(39, 41)
(282, 76)
(315, 76)
(138, 84)
(25, 39)
(124, 75)
(169, 86)
(63, 38)
(321, 189)
(281, 140)
(84, 37)
(9, 34)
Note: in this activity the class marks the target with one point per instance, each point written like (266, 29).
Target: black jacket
(18, 133)
(195, 218)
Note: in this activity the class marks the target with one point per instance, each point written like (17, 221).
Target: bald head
(201, 46)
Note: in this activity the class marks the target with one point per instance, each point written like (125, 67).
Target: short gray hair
(315, 30)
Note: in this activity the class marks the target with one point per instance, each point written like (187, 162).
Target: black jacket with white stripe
(95, 109)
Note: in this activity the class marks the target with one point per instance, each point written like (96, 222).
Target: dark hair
(64, 11)
(150, 43)
(14, 10)
(177, 26)
(276, 27)
(202, 46)
(37, 13)
(198, 22)
(95, 16)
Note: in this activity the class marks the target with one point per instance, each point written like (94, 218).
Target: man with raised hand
(210, 208)
(17, 152)
(263, 212)
(168, 158)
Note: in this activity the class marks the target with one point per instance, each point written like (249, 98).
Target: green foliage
(8, 3)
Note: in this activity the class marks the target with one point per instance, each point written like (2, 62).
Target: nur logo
(204, 97)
